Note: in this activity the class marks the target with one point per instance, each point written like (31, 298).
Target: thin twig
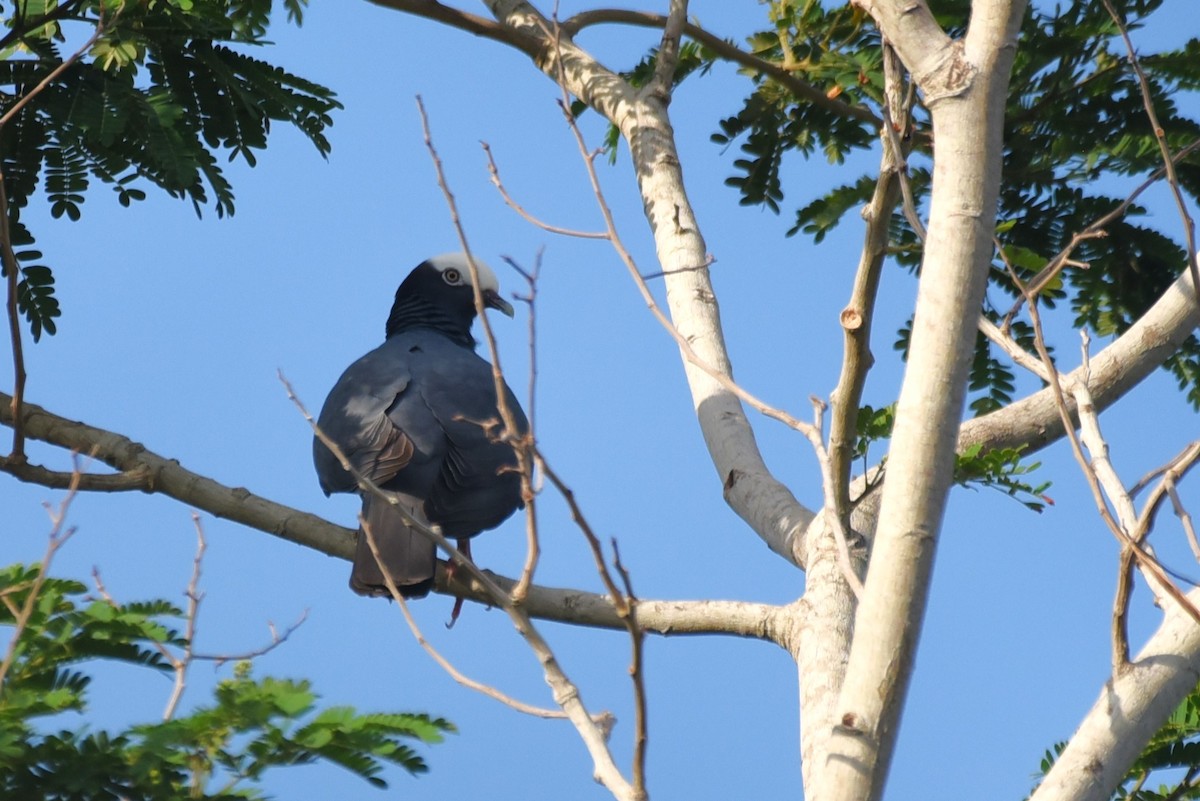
(566, 694)
(194, 597)
(11, 267)
(57, 538)
(726, 51)
(522, 443)
(1189, 227)
(445, 664)
(1185, 519)
(181, 663)
(837, 521)
(494, 173)
(532, 545)
(858, 316)
(637, 674)
(627, 259)
(1095, 230)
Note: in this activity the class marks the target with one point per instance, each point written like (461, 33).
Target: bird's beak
(492, 300)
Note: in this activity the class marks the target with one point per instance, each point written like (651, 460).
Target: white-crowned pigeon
(413, 416)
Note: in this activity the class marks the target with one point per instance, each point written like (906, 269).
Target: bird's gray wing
(477, 486)
(376, 417)
(355, 417)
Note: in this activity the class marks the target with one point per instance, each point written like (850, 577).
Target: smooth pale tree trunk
(965, 85)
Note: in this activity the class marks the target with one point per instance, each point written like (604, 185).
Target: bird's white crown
(458, 261)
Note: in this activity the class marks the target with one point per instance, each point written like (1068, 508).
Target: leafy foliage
(252, 724)
(164, 91)
(1074, 117)
(1001, 469)
(873, 425)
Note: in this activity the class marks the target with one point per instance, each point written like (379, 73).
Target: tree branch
(1034, 422)
(857, 317)
(158, 474)
(965, 85)
(471, 23)
(1133, 705)
(726, 51)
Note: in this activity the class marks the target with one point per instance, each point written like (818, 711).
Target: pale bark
(1034, 421)
(965, 85)
(1132, 706)
(143, 470)
(768, 506)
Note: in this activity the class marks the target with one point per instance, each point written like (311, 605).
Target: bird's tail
(409, 557)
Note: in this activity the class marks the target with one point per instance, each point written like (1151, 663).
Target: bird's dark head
(438, 294)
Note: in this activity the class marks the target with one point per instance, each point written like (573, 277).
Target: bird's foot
(464, 547)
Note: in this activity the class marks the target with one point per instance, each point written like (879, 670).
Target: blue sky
(174, 327)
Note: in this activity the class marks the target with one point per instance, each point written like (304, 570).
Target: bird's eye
(452, 277)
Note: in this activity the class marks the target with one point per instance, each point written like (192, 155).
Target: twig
(837, 521)
(1189, 227)
(897, 119)
(445, 664)
(1185, 519)
(1170, 473)
(494, 173)
(522, 443)
(858, 315)
(138, 479)
(533, 548)
(637, 675)
(566, 694)
(181, 663)
(1019, 355)
(727, 51)
(194, 597)
(1095, 230)
(57, 538)
(277, 639)
(627, 259)
(11, 267)
(626, 604)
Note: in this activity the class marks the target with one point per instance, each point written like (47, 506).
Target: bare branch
(445, 664)
(11, 267)
(471, 23)
(636, 674)
(837, 519)
(668, 51)
(494, 172)
(1131, 707)
(57, 538)
(168, 477)
(1034, 421)
(138, 479)
(1189, 227)
(741, 463)
(725, 50)
(858, 316)
(566, 694)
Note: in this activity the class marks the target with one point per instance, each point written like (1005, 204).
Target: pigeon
(418, 416)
